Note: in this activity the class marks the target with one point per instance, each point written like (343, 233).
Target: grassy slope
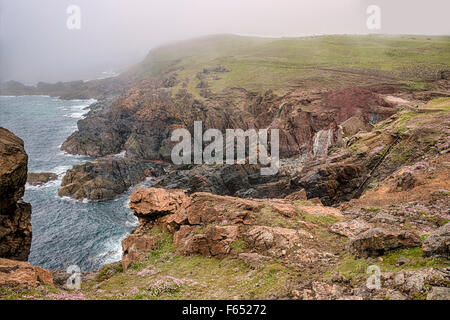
(261, 63)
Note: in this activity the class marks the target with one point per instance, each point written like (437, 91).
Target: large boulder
(41, 178)
(15, 215)
(438, 243)
(378, 241)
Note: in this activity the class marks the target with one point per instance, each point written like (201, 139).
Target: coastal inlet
(65, 232)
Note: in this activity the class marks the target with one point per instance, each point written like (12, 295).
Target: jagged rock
(214, 241)
(208, 224)
(38, 179)
(156, 202)
(378, 241)
(406, 182)
(354, 125)
(239, 180)
(274, 239)
(350, 228)
(297, 196)
(15, 215)
(102, 179)
(21, 273)
(438, 243)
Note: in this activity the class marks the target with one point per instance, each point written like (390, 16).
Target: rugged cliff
(304, 87)
(15, 215)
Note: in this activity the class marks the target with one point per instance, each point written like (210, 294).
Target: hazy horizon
(36, 45)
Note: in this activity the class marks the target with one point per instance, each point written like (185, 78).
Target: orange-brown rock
(135, 246)
(208, 224)
(23, 274)
(15, 215)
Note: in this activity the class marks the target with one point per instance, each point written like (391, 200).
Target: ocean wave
(72, 200)
(53, 183)
(75, 115)
(112, 251)
(60, 169)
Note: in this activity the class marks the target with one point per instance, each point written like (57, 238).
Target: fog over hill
(36, 44)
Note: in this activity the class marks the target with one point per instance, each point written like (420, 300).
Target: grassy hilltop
(311, 62)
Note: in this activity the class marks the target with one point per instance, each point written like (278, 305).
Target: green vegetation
(325, 220)
(354, 270)
(166, 275)
(279, 64)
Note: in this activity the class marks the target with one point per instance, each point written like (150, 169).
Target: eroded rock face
(102, 179)
(21, 273)
(15, 215)
(141, 120)
(212, 225)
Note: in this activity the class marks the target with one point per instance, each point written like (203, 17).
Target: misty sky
(36, 45)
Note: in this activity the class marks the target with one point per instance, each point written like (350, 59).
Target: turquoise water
(65, 232)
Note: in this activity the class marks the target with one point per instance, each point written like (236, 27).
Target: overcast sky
(36, 45)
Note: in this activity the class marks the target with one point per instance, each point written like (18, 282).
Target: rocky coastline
(364, 181)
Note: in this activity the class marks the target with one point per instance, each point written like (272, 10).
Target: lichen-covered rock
(438, 243)
(15, 215)
(378, 241)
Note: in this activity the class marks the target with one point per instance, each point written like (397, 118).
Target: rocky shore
(102, 179)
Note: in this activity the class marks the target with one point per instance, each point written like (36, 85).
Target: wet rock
(41, 178)
(378, 241)
(15, 215)
(438, 243)
(102, 179)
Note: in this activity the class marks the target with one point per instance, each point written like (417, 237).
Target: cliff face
(15, 215)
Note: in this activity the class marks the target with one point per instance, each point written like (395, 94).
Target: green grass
(202, 278)
(261, 63)
(354, 270)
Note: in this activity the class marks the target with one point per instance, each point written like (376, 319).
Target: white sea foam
(53, 183)
(60, 169)
(121, 155)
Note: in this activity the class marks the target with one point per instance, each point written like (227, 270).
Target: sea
(65, 232)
